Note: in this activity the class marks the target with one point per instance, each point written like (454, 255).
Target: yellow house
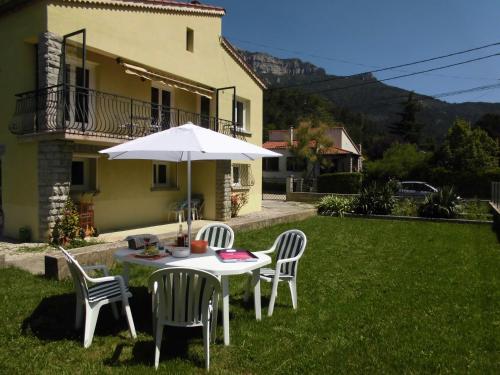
(80, 75)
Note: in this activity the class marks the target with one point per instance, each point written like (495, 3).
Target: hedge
(342, 183)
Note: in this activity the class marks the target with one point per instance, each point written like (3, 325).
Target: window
(294, 164)
(164, 175)
(241, 175)
(161, 101)
(242, 114)
(271, 164)
(189, 40)
(84, 174)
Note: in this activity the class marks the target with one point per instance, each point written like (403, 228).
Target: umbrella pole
(189, 197)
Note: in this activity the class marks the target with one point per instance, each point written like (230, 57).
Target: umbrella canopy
(174, 145)
(185, 143)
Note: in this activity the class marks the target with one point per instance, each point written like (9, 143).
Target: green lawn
(374, 297)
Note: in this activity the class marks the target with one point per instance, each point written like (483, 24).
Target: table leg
(225, 308)
(256, 293)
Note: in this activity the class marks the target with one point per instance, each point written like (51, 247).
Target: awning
(169, 81)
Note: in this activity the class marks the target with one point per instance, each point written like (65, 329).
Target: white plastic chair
(290, 246)
(184, 297)
(103, 290)
(217, 235)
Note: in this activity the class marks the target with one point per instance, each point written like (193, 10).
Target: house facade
(79, 76)
(344, 156)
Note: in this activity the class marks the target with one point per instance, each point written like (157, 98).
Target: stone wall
(54, 181)
(223, 190)
(49, 74)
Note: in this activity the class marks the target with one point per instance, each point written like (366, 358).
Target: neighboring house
(344, 156)
(82, 75)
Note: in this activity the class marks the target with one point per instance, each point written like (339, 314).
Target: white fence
(495, 194)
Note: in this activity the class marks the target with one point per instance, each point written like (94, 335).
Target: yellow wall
(152, 38)
(125, 199)
(209, 64)
(17, 74)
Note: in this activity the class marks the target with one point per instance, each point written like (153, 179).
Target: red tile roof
(283, 145)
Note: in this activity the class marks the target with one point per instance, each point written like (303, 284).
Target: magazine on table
(235, 255)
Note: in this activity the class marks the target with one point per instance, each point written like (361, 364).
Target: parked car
(415, 189)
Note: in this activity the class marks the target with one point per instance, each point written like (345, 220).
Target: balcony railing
(78, 110)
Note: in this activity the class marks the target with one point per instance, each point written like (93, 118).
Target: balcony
(73, 110)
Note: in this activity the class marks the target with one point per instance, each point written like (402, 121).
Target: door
(205, 112)
(161, 118)
(78, 101)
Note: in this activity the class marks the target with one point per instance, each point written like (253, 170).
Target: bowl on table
(179, 252)
(199, 246)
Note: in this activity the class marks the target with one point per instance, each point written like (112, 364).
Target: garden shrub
(375, 200)
(405, 207)
(67, 227)
(442, 204)
(238, 200)
(335, 205)
(342, 183)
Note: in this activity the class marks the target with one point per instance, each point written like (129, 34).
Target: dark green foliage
(442, 204)
(408, 129)
(342, 183)
(67, 227)
(25, 234)
(490, 123)
(400, 161)
(375, 199)
(467, 149)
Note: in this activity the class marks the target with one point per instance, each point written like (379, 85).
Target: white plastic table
(207, 262)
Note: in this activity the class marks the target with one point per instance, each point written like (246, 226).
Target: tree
(467, 149)
(490, 123)
(400, 161)
(408, 129)
(311, 140)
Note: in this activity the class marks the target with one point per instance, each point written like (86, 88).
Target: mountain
(378, 102)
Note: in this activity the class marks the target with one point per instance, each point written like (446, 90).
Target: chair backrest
(183, 294)
(290, 244)
(77, 274)
(217, 235)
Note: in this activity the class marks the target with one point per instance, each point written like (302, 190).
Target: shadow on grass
(175, 345)
(54, 318)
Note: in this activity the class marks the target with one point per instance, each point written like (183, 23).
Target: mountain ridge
(378, 101)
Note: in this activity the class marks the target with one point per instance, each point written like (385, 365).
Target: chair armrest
(281, 261)
(95, 267)
(270, 251)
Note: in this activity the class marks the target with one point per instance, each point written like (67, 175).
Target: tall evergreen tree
(408, 129)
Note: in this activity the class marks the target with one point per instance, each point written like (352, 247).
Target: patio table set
(186, 290)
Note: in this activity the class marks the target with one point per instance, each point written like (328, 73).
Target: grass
(374, 297)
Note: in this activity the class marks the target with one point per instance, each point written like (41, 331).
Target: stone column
(54, 180)
(222, 190)
(50, 73)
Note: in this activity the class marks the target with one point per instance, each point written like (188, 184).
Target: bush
(67, 227)
(405, 207)
(442, 204)
(375, 200)
(342, 183)
(238, 200)
(335, 205)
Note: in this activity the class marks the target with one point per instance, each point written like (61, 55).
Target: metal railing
(78, 110)
(495, 194)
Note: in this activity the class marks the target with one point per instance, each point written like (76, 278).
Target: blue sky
(377, 33)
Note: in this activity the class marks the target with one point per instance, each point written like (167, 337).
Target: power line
(372, 71)
(399, 76)
(384, 101)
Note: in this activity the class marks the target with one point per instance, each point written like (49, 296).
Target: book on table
(235, 255)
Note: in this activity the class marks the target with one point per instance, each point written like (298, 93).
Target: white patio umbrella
(186, 143)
